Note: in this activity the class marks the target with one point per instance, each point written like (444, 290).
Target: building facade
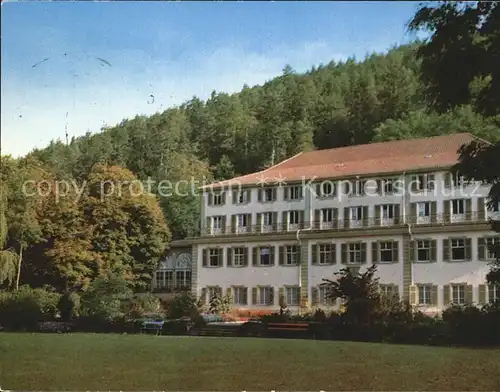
(282, 231)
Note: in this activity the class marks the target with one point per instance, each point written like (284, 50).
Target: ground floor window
(388, 290)
(323, 294)
(240, 295)
(265, 295)
(164, 280)
(292, 296)
(183, 280)
(424, 294)
(458, 294)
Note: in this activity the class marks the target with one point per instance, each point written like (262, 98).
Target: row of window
(329, 189)
(421, 250)
(260, 295)
(420, 294)
(169, 280)
(458, 294)
(455, 210)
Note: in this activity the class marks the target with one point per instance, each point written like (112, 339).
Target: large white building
(281, 231)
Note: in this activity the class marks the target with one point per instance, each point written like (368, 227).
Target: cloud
(34, 106)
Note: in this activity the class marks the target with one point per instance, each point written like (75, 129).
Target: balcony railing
(349, 224)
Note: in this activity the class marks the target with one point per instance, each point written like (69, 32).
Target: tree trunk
(19, 266)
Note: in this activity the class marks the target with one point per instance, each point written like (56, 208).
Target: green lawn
(141, 362)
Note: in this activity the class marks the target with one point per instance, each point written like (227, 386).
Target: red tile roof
(361, 160)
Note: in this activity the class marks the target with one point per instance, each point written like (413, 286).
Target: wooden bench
(288, 327)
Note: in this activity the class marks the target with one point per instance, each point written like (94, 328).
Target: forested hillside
(68, 243)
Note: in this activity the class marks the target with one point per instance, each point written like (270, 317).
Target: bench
(288, 326)
(152, 327)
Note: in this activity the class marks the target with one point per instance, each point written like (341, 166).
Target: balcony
(341, 225)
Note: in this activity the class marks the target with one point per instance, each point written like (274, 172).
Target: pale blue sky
(171, 50)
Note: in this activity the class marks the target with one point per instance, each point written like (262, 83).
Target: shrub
(69, 306)
(106, 299)
(319, 315)
(24, 308)
(144, 304)
(220, 304)
(183, 305)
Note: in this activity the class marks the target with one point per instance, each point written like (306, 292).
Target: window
(265, 295)
(291, 254)
(292, 296)
(355, 253)
(388, 186)
(324, 299)
(265, 256)
(214, 257)
(183, 280)
(387, 290)
(358, 188)
(268, 218)
(239, 257)
(458, 294)
(424, 294)
(388, 251)
(218, 222)
(421, 182)
(327, 215)
(218, 199)
(494, 292)
(356, 213)
(423, 250)
(458, 206)
(424, 209)
(240, 295)
(326, 254)
(164, 279)
(294, 193)
(242, 220)
(268, 194)
(242, 197)
(457, 181)
(458, 249)
(326, 189)
(491, 245)
(294, 217)
(212, 292)
(388, 211)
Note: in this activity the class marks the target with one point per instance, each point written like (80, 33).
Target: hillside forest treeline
(69, 242)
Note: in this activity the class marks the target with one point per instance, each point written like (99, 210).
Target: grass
(142, 362)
